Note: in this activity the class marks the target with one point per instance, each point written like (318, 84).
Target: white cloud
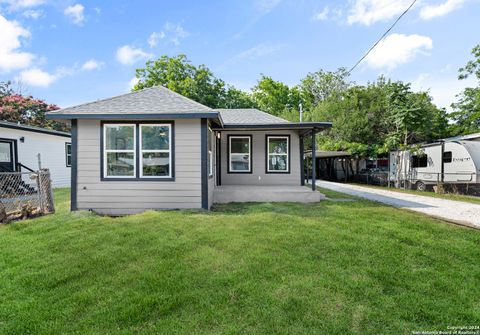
(128, 55)
(10, 41)
(154, 38)
(397, 49)
(431, 11)
(14, 5)
(258, 51)
(37, 77)
(91, 64)
(75, 13)
(321, 16)
(265, 6)
(134, 81)
(176, 32)
(368, 12)
(32, 14)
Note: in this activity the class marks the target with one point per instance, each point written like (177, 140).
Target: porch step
(265, 193)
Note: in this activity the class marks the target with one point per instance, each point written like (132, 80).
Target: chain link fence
(25, 194)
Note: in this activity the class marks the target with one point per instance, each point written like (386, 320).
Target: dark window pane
(240, 145)
(156, 164)
(239, 162)
(155, 137)
(120, 164)
(419, 161)
(69, 149)
(277, 145)
(119, 137)
(447, 157)
(277, 162)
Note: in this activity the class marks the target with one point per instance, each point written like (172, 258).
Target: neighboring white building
(21, 144)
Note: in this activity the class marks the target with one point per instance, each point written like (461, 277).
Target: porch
(265, 193)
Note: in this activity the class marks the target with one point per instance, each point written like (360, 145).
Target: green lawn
(330, 268)
(448, 196)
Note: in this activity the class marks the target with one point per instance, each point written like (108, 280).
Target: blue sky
(69, 52)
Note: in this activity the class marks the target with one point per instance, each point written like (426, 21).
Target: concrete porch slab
(265, 193)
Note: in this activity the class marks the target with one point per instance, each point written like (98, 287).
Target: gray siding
(258, 175)
(126, 197)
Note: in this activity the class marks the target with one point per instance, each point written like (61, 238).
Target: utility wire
(383, 36)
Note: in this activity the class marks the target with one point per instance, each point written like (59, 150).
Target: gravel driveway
(455, 211)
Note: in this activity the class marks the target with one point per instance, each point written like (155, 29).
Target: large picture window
(137, 151)
(240, 154)
(155, 144)
(119, 152)
(278, 154)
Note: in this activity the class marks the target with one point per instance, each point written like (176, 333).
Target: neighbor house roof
(154, 102)
(13, 125)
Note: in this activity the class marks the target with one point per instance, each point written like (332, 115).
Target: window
(210, 153)
(278, 154)
(156, 158)
(138, 151)
(419, 161)
(119, 152)
(447, 157)
(68, 154)
(239, 153)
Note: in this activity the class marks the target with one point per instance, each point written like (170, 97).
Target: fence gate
(25, 194)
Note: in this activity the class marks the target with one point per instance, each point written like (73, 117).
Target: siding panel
(126, 197)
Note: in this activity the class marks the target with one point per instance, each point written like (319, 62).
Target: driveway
(454, 211)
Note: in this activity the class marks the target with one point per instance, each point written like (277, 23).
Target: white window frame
(67, 145)
(169, 151)
(230, 170)
(106, 151)
(210, 152)
(287, 154)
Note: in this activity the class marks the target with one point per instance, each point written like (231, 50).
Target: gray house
(156, 149)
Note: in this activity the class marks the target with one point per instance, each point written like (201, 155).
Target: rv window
(419, 161)
(447, 157)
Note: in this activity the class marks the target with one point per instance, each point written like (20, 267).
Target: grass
(448, 196)
(328, 268)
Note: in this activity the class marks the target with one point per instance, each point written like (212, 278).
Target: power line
(383, 36)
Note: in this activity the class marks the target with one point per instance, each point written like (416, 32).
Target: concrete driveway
(454, 211)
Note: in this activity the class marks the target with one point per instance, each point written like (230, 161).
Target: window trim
(141, 150)
(66, 154)
(267, 153)
(136, 177)
(229, 145)
(210, 151)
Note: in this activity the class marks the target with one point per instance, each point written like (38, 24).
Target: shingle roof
(13, 125)
(153, 100)
(248, 116)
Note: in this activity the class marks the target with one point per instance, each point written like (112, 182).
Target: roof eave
(288, 125)
(117, 116)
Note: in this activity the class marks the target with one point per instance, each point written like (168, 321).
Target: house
(156, 149)
(21, 145)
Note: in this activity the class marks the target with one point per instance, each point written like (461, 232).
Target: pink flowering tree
(27, 110)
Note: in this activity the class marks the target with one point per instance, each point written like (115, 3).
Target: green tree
(275, 97)
(195, 82)
(466, 111)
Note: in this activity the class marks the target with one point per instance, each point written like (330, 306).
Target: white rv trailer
(447, 161)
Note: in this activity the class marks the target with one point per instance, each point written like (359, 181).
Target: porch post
(314, 161)
(302, 162)
(204, 161)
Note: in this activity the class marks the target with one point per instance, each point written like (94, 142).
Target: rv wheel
(421, 186)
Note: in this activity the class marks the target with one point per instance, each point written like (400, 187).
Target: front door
(7, 156)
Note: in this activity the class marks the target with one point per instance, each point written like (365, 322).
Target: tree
(466, 111)
(195, 82)
(27, 110)
(275, 97)
(321, 85)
